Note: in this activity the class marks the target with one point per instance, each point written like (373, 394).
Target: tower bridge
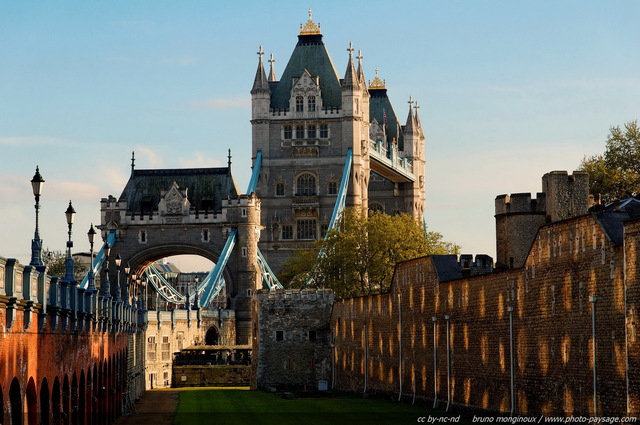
(319, 142)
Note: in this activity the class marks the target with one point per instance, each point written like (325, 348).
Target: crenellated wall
(404, 342)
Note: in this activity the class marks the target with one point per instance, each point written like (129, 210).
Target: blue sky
(508, 90)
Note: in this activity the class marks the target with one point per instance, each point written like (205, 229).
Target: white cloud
(199, 160)
(148, 156)
(222, 103)
(24, 141)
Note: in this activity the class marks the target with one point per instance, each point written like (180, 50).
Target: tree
(616, 173)
(56, 266)
(360, 253)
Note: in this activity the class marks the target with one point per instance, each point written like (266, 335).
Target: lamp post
(36, 244)
(118, 264)
(125, 288)
(105, 289)
(195, 298)
(91, 234)
(69, 272)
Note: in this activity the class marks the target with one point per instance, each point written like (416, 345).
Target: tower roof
(381, 109)
(309, 54)
(207, 187)
(351, 79)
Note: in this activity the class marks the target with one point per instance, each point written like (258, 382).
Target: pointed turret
(272, 69)
(260, 83)
(361, 79)
(411, 127)
(417, 117)
(350, 81)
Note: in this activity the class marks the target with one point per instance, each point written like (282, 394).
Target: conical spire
(272, 69)
(361, 79)
(260, 83)
(411, 125)
(417, 118)
(350, 80)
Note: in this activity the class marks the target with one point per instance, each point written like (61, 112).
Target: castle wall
(291, 349)
(552, 331)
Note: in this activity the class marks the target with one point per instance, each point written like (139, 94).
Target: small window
(249, 292)
(324, 131)
(333, 188)
(311, 131)
(142, 236)
(287, 232)
(311, 103)
(243, 212)
(299, 131)
(312, 336)
(279, 335)
(299, 103)
(205, 235)
(280, 189)
(288, 132)
(244, 251)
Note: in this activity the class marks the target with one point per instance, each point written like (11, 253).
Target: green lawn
(234, 406)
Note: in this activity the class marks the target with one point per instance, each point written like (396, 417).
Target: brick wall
(552, 330)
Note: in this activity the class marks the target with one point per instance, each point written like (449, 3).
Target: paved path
(157, 407)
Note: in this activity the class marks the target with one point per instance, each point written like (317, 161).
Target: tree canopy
(616, 173)
(360, 253)
(56, 265)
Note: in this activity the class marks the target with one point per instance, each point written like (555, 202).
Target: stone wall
(211, 376)
(291, 349)
(404, 341)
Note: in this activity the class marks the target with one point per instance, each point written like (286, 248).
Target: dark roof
(206, 187)
(379, 105)
(446, 267)
(612, 215)
(310, 54)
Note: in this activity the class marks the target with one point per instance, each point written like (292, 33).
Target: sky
(508, 90)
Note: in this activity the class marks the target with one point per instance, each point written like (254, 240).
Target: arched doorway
(66, 401)
(32, 403)
(56, 401)
(212, 337)
(15, 401)
(44, 402)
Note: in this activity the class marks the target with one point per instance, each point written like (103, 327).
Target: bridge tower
(305, 123)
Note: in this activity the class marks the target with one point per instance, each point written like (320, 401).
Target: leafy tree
(616, 173)
(360, 253)
(56, 266)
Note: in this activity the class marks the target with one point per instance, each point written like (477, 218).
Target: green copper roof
(310, 54)
(207, 187)
(379, 106)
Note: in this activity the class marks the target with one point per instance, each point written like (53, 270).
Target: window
(244, 251)
(311, 131)
(151, 348)
(279, 189)
(299, 131)
(288, 132)
(306, 229)
(287, 232)
(279, 335)
(180, 339)
(333, 188)
(299, 103)
(205, 235)
(311, 103)
(324, 131)
(306, 185)
(312, 336)
(142, 236)
(166, 348)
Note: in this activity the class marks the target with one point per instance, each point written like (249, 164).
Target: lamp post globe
(36, 244)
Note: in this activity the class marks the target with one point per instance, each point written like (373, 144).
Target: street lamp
(195, 300)
(104, 286)
(36, 244)
(118, 264)
(125, 292)
(91, 234)
(69, 273)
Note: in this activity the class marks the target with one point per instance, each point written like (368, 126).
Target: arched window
(306, 185)
(311, 103)
(299, 103)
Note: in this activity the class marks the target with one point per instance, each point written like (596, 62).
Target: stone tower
(305, 123)
(518, 217)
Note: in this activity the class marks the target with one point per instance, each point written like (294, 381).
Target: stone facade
(305, 124)
(169, 332)
(457, 342)
(291, 348)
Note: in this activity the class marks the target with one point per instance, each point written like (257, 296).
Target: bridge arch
(212, 336)
(55, 401)
(44, 402)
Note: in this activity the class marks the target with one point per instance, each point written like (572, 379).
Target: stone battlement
(295, 294)
(520, 203)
